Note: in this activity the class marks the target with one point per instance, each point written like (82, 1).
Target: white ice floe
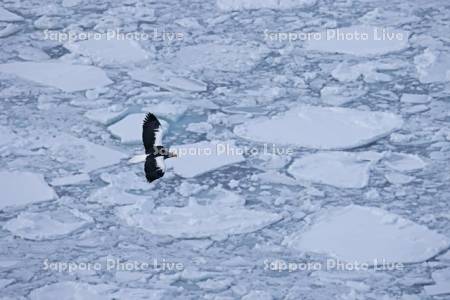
(7, 16)
(129, 129)
(415, 98)
(441, 284)
(365, 234)
(67, 77)
(21, 188)
(398, 178)
(230, 5)
(359, 40)
(222, 214)
(232, 58)
(71, 180)
(86, 155)
(106, 115)
(70, 290)
(109, 50)
(10, 29)
(433, 66)
(340, 169)
(403, 162)
(169, 82)
(171, 111)
(369, 71)
(199, 158)
(321, 127)
(6, 136)
(338, 95)
(200, 127)
(47, 225)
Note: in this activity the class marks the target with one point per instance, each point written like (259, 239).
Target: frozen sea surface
(293, 151)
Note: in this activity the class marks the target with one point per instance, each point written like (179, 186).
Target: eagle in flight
(155, 153)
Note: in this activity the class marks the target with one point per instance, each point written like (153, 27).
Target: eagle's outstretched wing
(151, 133)
(154, 167)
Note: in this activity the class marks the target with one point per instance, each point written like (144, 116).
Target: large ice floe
(221, 57)
(47, 225)
(109, 50)
(360, 40)
(340, 169)
(67, 77)
(368, 235)
(69, 290)
(217, 214)
(169, 82)
(199, 158)
(321, 127)
(230, 5)
(128, 129)
(21, 188)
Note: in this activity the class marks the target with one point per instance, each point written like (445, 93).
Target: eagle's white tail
(137, 159)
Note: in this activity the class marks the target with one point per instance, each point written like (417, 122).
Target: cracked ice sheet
(321, 127)
(47, 225)
(224, 214)
(232, 58)
(67, 290)
(67, 77)
(372, 44)
(13, 193)
(365, 234)
(199, 158)
(230, 5)
(109, 50)
(340, 169)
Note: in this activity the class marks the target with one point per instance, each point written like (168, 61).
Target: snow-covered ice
(67, 77)
(340, 169)
(71, 180)
(22, 188)
(321, 127)
(171, 111)
(232, 5)
(47, 225)
(129, 129)
(365, 234)
(415, 98)
(440, 287)
(403, 162)
(7, 16)
(433, 66)
(369, 43)
(338, 95)
(169, 82)
(198, 158)
(223, 215)
(109, 50)
(106, 115)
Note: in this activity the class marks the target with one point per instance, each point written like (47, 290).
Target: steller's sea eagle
(155, 153)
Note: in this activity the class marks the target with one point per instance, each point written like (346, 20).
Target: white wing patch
(160, 163)
(158, 136)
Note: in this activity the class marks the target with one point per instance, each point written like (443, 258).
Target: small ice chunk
(232, 58)
(223, 215)
(169, 82)
(398, 178)
(109, 50)
(415, 98)
(415, 109)
(71, 180)
(360, 40)
(199, 158)
(106, 115)
(67, 77)
(433, 66)
(441, 283)
(368, 235)
(338, 95)
(403, 162)
(321, 127)
(7, 16)
(21, 188)
(200, 127)
(47, 225)
(231, 5)
(340, 169)
(129, 129)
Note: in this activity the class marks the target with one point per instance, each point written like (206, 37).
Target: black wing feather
(150, 126)
(152, 171)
